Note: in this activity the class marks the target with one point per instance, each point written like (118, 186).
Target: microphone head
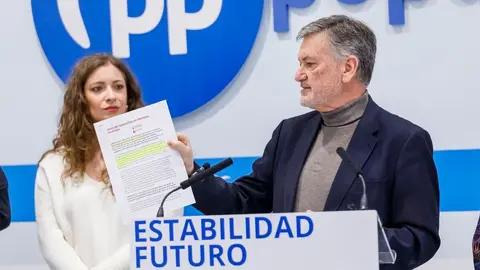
(345, 157)
(340, 151)
(226, 162)
(207, 171)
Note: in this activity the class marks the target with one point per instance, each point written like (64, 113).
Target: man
(300, 169)
(5, 214)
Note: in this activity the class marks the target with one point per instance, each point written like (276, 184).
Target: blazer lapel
(305, 141)
(359, 149)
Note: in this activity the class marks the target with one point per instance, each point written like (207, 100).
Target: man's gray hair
(348, 37)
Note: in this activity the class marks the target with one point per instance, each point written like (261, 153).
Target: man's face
(319, 74)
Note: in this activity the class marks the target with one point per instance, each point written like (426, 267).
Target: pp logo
(183, 51)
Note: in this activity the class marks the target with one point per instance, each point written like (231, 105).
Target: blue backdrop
(458, 171)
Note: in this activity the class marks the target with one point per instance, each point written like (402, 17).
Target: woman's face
(106, 93)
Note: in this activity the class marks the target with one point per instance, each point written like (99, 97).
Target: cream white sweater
(79, 224)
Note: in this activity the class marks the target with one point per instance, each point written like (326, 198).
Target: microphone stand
(363, 200)
(160, 209)
(160, 212)
(358, 173)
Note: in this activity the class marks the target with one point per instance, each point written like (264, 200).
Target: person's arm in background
(56, 251)
(414, 229)
(5, 210)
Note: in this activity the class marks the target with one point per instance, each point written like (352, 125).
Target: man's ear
(350, 68)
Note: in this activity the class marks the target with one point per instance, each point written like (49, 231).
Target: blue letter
(170, 223)
(138, 231)
(351, 2)
(283, 222)
(257, 227)
(138, 256)
(216, 254)
(208, 228)
(243, 258)
(247, 228)
(232, 230)
(177, 254)
(188, 229)
(155, 230)
(222, 228)
(280, 12)
(202, 256)
(154, 261)
(299, 226)
(396, 10)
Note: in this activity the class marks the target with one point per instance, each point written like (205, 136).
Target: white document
(141, 166)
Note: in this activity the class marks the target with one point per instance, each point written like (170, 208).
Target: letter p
(180, 21)
(280, 12)
(122, 25)
(396, 10)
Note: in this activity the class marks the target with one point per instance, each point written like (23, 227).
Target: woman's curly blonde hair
(76, 138)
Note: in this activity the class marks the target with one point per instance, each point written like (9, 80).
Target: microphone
(358, 172)
(201, 169)
(207, 172)
(201, 173)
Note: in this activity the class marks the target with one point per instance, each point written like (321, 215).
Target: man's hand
(182, 145)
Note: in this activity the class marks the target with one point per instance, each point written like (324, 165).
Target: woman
(79, 225)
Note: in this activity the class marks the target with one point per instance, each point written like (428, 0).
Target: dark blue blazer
(395, 155)
(5, 213)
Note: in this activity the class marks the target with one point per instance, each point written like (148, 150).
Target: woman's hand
(183, 146)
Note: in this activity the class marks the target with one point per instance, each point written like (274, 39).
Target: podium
(312, 240)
